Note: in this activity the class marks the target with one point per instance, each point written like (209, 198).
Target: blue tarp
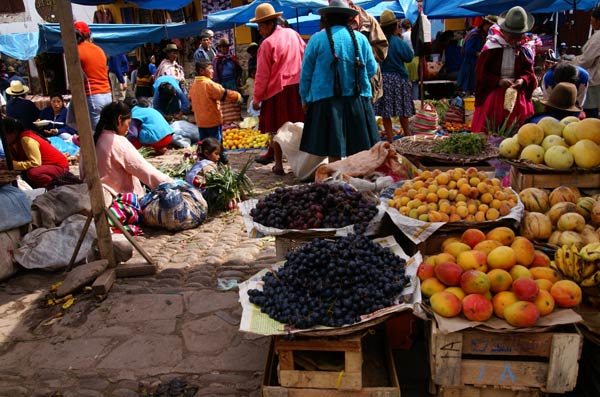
(119, 38)
(146, 4)
(442, 9)
(22, 46)
(533, 6)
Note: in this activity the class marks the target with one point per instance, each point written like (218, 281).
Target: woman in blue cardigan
(57, 112)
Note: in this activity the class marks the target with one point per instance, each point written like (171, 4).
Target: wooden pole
(84, 129)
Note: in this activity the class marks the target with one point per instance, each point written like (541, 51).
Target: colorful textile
(126, 208)
(174, 206)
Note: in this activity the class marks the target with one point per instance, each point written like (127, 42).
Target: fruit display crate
(429, 164)
(525, 362)
(368, 359)
(521, 179)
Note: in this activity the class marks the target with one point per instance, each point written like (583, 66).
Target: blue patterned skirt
(397, 98)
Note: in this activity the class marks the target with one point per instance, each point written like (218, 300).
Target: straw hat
(264, 12)
(563, 97)
(387, 18)
(516, 20)
(491, 19)
(252, 46)
(82, 27)
(10, 69)
(338, 7)
(171, 47)
(17, 88)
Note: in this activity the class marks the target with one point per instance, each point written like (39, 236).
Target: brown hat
(491, 19)
(17, 88)
(516, 20)
(387, 18)
(171, 47)
(223, 43)
(264, 12)
(563, 97)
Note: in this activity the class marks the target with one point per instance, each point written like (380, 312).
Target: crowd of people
(354, 69)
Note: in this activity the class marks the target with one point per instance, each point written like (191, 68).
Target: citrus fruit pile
(237, 138)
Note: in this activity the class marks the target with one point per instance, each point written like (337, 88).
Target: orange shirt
(206, 97)
(93, 63)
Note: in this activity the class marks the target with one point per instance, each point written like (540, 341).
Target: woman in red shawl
(505, 62)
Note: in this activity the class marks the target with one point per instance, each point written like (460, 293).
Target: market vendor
(148, 127)
(562, 103)
(57, 112)
(33, 154)
(169, 98)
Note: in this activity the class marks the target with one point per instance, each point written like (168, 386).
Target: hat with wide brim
(252, 46)
(11, 69)
(264, 12)
(338, 7)
(171, 47)
(387, 18)
(17, 88)
(516, 20)
(563, 97)
(491, 19)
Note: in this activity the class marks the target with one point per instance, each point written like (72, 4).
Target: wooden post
(88, 151)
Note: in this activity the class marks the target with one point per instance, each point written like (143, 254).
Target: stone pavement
(153, 334)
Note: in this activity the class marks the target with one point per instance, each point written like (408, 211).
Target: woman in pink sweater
(121, 167)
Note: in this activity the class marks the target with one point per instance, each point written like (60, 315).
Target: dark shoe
(278, 171)
(264, 160)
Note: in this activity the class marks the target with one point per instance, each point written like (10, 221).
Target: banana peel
(57, 301)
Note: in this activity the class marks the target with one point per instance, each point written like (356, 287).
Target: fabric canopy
(145, 4)
(442, 9)
(21, 46)
(119, 38)
(533, 6)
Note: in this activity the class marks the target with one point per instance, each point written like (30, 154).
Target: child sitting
(208, 152)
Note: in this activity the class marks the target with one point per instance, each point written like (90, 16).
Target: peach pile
(498, 273)
(453, 196)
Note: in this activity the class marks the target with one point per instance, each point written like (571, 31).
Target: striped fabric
(126, 208)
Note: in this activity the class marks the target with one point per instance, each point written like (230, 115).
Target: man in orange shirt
(95, 71)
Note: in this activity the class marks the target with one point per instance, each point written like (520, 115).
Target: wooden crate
(432, 165)
(530, 362)
(377, 382)
(472, 391)
(520, 179)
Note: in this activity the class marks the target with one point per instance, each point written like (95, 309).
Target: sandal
(278, 171)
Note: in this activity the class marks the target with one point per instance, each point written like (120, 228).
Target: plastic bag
(174, 206)
(303, 164)
(184, 133)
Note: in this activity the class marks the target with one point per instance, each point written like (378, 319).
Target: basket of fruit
(244, 139)
(456, 148)
(453, 200)
(319, 209)
(550, 146)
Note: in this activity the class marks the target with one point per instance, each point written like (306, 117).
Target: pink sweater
(121, 167)
(278, 63)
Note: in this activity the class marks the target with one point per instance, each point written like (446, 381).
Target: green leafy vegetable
(226, 186)
(465, 144)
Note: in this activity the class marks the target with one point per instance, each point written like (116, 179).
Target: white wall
(27, 21)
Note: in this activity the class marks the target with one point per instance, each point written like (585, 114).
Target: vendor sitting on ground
(33, 154)
(169, 98)
(562, 103)
(57, 112)
(121, 168)
(148, 127)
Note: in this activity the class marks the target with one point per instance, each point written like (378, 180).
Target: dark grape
(331, 283)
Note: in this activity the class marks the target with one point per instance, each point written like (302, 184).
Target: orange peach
(445, 304)
(487, 246)
(472, 259)
(500, 280)
(544, 302)
(522, 314)
(525, 289)
(519, 271)
(544, 284)
(474, 282)
(431, 286)
(524, 250)
(502, 257)
(472, 237)
(566, 293)
(503, 234)
(425, 271)
(449, 240)
(477, 307)
(460, 294)
(501, 301)
(540, 260)
(547, 273)
(448, 273)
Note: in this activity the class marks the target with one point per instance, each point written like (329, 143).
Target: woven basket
(527, 165)
(7, 176)
(422, 147)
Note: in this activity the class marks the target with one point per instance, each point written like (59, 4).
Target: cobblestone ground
(154, 334)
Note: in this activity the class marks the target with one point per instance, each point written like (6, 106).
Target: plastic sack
(64, 146)
(303, 164)
(174, 206)
(15, 208)
(184, 133)
(425, 120)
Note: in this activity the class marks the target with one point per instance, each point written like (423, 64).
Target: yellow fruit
(530, 134)
(533, 153)
(509, 148)
(588, 129)
(551, 126)
(558, 157)
(586, 153)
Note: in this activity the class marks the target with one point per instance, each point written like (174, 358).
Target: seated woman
(57, 112)
(148, 127)
(121, 168)
(169, 98)
(33, 154)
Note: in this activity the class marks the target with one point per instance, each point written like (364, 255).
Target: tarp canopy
(238, 16)
(533, 6)
(442, 9)
(145, 4)
(21, 46)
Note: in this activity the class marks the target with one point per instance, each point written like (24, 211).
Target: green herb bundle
(465, 144)
(226, 186)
